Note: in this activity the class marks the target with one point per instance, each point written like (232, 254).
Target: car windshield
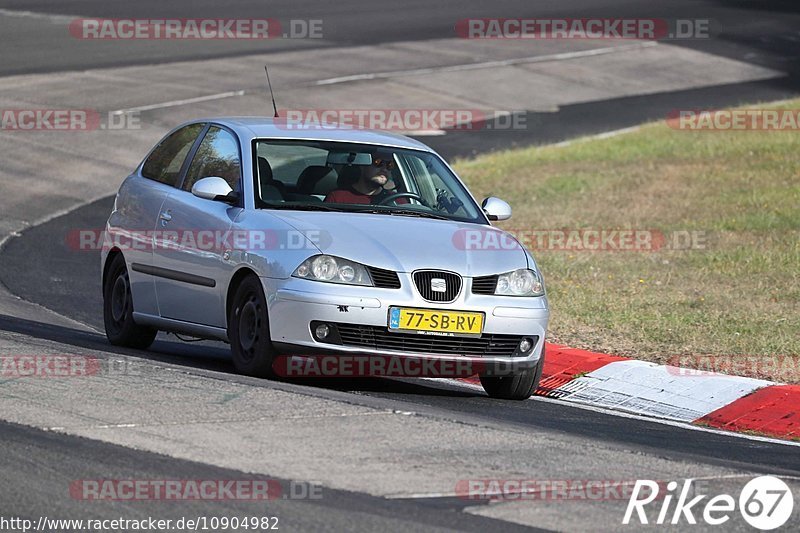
(339, 176)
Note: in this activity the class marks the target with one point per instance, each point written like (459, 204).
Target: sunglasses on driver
(384, 163)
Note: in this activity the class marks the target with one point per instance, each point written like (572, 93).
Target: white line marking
(632, 416)
(38, 222)
(623, 131)
(427, 495)
(73, 429)
(599, 136)
(672, 423)
(488, 64)
(55, 19)
(424, 133)
(412, 72)
(176, 103)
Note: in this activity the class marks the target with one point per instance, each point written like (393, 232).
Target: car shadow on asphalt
(212, 356)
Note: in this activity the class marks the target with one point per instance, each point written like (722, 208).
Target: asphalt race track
(772, 43)
(768, 41)
(387, 454)
(79, 297)
(71, 455)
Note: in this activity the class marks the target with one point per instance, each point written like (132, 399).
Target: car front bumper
(295, 303)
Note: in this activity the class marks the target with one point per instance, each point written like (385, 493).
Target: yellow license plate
(436, 322)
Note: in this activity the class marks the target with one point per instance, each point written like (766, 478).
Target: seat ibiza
(296, 239)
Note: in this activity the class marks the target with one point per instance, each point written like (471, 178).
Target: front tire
(121, 330)
(248, 330)
(519, 386)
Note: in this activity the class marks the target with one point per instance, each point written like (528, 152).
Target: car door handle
(165, 217)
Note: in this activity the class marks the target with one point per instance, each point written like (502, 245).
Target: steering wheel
(398, 195)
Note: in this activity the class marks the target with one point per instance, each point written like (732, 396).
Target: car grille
(384, 279)
(484, 285)
(380, 338)
(423, 278)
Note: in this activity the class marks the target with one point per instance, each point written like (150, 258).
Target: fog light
(524, 345)
(322, 331)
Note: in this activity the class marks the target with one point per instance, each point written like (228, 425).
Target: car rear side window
(217, 155)
(165, 162)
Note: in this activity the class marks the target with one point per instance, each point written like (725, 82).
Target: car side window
(217, 155)
(288, 161)
(165, 162)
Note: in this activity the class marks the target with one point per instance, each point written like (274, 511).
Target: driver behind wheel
(373, 184)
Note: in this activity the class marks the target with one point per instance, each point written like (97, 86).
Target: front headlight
(522, 282)
(333, 270)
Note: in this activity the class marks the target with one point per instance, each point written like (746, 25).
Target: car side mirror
(214, 188)
(496, 209)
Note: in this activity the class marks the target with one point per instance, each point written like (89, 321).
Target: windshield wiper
(355, 209)
(404, 212)
(303, 207)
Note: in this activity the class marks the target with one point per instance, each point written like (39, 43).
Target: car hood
(406, 244)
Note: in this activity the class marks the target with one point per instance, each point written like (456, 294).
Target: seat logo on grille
(438, 285)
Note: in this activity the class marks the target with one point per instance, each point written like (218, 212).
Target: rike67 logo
(765, 503)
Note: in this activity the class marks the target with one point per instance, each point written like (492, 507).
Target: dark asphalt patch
(39, 466)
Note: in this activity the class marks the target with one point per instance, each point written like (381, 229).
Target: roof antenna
(270, 92)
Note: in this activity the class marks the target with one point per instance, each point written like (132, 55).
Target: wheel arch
(112, 254)
(236, 280)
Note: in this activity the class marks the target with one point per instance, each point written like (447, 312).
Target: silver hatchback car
(288, 239)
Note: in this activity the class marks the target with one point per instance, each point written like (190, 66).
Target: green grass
(738, 296)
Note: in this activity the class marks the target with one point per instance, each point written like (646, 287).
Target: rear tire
(121, 330)
(519, 386)
(248, 330)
